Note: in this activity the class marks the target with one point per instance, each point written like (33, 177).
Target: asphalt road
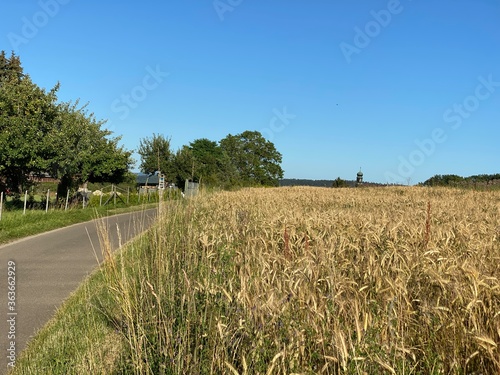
(47, 268)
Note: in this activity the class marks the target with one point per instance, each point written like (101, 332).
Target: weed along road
(40, 272)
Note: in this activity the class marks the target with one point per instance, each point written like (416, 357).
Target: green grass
(15, 224)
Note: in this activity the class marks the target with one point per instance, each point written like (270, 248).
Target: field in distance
(401, 280)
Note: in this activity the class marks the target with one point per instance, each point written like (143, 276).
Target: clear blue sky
(403, 89)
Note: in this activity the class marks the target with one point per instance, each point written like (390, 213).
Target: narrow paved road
(48, 267)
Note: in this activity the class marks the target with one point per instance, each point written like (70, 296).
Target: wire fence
(110, 195)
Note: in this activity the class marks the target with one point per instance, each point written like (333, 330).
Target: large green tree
(255, 159)
(87, 152)
(39, 135)
(27, 115)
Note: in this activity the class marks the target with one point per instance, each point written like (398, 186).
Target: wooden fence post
(25, 198)
(67, 199)
(47, 201)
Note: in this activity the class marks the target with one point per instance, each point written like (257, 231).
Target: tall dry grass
(311, 280)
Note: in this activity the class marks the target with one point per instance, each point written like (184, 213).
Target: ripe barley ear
(286, 249)
(427, 236)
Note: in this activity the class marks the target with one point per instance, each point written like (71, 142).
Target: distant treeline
(305, 182)
(481, 181)
(476, 181)
(324, 183)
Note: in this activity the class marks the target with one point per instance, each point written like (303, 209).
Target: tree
(27, 115)
(87, 153)
(256, 160)
(210, 163)
(444, 180)
(205, 154)
(10, 68)
(156, 155)
(182, 166)
(339, 183)
(39, 135)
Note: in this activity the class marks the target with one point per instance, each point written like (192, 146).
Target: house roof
(143, 178)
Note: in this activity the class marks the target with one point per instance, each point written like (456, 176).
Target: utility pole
(158, 160)
(161, 184)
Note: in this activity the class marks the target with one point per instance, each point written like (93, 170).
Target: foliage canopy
(39, 135)
(245, 159)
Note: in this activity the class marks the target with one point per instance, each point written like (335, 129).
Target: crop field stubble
(401, 280)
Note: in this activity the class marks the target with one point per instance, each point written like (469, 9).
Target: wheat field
(396, 280)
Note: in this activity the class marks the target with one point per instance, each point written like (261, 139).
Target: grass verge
(85, 334)
(15, 225)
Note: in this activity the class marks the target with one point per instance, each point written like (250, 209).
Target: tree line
(245, 159)
(459, 181)
(40, 135)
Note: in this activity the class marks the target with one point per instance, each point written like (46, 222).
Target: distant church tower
(359, 178)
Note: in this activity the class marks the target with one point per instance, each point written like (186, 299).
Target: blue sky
(403, 89)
